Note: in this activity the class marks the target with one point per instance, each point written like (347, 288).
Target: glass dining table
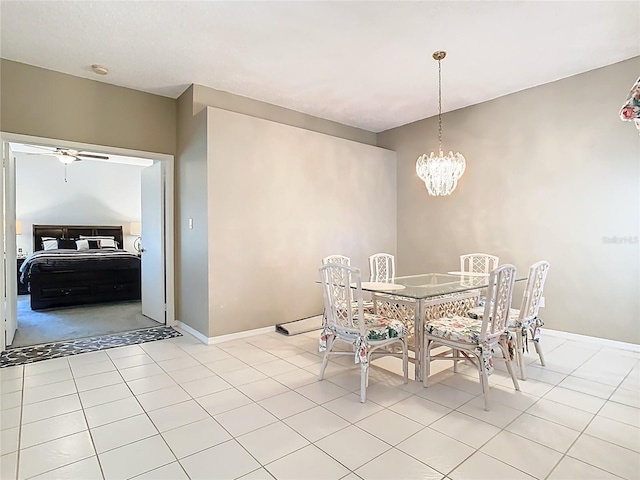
(412, 299)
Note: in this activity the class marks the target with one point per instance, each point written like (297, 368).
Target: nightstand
(22, 288)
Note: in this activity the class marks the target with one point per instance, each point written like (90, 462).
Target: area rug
(37, 353)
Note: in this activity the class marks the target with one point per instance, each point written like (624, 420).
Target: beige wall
(204, 96)
(551, 171)
(48, 104)
(192, 287)
(280, 199)
(200, 264)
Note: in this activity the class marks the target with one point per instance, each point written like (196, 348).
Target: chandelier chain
(440, 105)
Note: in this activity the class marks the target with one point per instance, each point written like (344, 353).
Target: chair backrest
(496, 308)
(341, 287)
(382, 267)
(478, 263)
(533, 291)
(339, 259)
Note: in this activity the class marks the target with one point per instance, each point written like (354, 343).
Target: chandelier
(440, 172)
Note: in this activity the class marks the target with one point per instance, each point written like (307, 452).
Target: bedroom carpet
(54, 325)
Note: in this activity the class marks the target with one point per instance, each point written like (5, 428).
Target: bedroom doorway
(163, 298)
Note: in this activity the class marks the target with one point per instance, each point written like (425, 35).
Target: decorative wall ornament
(630, 111)
(440, 172)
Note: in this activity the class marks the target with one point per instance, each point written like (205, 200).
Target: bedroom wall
(281, 198)
(96, 193)
(552, 173)
(48, 104)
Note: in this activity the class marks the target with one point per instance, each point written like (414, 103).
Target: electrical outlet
(541, 302)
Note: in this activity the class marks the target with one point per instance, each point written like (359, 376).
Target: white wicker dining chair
(478, 263)
(382, 267)
(339, 259)
(343, 260)
(370, 334)
(524, 322)
(475, 339)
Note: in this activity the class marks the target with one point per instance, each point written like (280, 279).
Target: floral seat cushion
(465, 330)
(367, 307)
(478, 313)
(457, 328)
(379, 328)
(512, 322)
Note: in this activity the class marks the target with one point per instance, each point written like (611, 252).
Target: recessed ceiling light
(99, 69)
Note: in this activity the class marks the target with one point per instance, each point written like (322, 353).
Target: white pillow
(107, 243)
(50, 243)
(95, 237)
(82, 244)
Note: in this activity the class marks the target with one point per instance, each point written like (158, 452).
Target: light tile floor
(253, 409)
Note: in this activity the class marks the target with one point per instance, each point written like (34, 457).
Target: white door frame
(3, 295)
(9, 221)
(169, 169)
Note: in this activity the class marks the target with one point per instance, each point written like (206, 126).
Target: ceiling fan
(66, 156)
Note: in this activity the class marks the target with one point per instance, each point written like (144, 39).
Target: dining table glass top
(429, 285)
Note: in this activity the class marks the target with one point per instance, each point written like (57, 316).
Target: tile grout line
(178, 460)
(540, 398)
(146, 413)
(86, 421)
(19, 452)
(583, 432)
(289, 389)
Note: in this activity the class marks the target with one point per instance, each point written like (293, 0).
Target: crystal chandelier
(440, 172)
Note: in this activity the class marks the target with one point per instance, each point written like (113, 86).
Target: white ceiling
(365, 64)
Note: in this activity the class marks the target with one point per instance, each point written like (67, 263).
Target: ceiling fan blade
(91, 155)
(48, 149)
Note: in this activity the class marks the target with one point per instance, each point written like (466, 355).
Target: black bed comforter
(77, 261)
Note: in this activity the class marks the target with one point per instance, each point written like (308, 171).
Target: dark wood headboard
(73, 232)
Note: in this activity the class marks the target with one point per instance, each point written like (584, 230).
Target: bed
(64, 276)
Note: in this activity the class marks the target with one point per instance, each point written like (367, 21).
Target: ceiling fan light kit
(66, 158)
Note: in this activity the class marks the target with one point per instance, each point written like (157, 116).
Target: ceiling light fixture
(441, 172)
(99, 69)
(65, 158)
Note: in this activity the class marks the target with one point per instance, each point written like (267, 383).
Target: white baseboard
(237, 335)
(598, 341)
(192, 331)
(223, 338)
